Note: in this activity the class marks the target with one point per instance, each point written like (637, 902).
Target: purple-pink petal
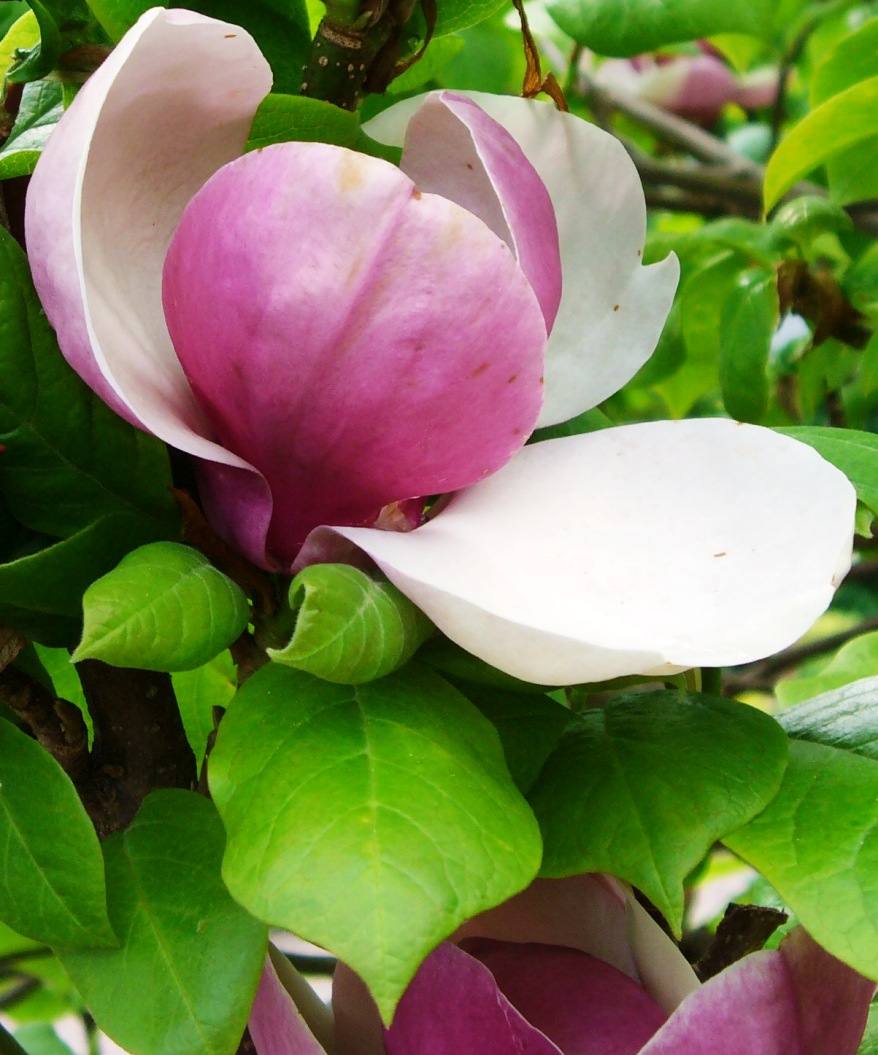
(585, 1006)
(276, 1026)
(453, 148)
(798, 1000)
(355, 340)
(453, 1006)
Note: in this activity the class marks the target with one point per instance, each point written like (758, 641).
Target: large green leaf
(183, 980)
(628, 27)
(853, 175)
(41, 592)
(280, 28)
(747, 321)
(817, 844)
(371, 820)
(349, 628)
(40, 110)
(281, 118)
(69, 460)
(643, 788)
(529, 727)
(164, 607)
(52, 882)
(118, 16)
(841, 122)
(845, 717)
(855, 453)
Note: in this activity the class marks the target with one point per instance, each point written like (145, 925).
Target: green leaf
(845, 717)
(10, 13)
(164, 607)
(842, 121)
(701, 299)
(747, 321)
(185, 976)
(349, 628)
(588, 421)
(806, 218)
(855, 453)
(22, 33)
(69, 460)
(455, 15)
(52, 881)
(457, 664)
(437, 56)
(198, 692)
(41, 592)
(282, 118)
(40, 110)
(628, 27)
(38, 1038)
(854, 660)
(642, 788)
(853, 59)
(280, 28)
(817, 844)
(529, 727)
(118, 16)
(41, 59)
(869, 1045)
(371, 820)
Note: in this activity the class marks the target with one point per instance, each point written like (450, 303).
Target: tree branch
(762, 676)
(140, 744)
(56, 724)
(727, 183)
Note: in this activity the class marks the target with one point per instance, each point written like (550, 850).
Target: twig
(727, 183)
(764, 674)
(788, 62)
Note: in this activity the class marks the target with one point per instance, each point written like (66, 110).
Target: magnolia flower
(576, 967)
(694, 86)
(329, 336)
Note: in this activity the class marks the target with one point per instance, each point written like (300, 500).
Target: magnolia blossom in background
(328, 336)
(576, 967)
(694, 86)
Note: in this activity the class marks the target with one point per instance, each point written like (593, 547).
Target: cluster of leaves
(371, 785)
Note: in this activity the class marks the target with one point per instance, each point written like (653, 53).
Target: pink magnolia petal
(694, 86)
(585, 912)
(170, 105)
(598, 915)
(453, 1006)
(612, 308)
(581, 1003)
(357, 341)
(276, 1025)
(632, 550)
(358, 1026)
(797, 1000)
(454, 149)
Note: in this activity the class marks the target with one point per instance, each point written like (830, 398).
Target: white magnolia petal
(692, 543)
(171, 105)
(612, 308)
(664, 971)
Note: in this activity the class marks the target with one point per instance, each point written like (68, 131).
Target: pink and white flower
(576, 967)
(328, 335)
